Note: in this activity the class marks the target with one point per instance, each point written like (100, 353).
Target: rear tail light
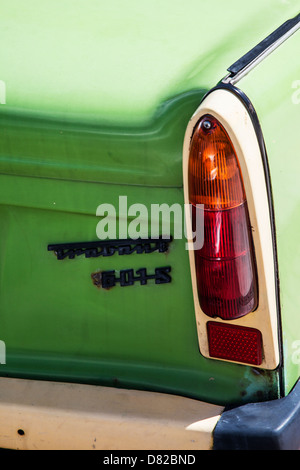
(225, 265)
(234, 280)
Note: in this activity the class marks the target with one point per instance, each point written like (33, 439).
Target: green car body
(96, 98)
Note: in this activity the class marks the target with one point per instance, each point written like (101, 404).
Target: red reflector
(235, 343)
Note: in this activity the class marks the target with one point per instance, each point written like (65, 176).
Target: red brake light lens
(235, 343)
(225, 265)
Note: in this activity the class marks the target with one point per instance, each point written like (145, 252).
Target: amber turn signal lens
(214, 174)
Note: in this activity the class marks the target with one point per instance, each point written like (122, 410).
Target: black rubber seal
(256, 52)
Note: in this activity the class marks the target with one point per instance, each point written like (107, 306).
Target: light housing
(250, 203)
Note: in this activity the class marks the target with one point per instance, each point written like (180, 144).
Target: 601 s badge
(127, 277)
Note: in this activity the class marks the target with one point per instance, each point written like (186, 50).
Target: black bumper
(272, 425)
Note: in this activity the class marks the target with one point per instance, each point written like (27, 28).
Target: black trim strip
(263, 46)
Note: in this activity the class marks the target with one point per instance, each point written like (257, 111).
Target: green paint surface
(275, 94)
